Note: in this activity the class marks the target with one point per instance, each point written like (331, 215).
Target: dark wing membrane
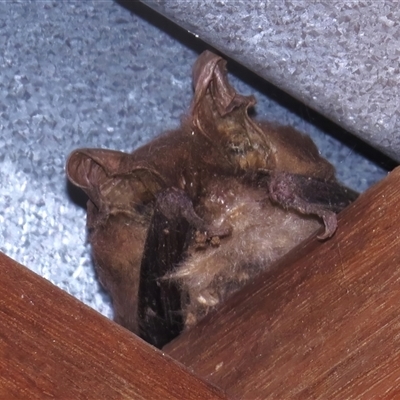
(160, 316)
(308, 195)
(160, 313)
(328, 194)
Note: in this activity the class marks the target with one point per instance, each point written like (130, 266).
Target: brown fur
(261, 185)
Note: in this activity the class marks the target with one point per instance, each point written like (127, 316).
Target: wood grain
(54, 347)
(324, 324)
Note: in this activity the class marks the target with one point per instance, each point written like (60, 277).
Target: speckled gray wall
(339, 57)
(94, 74)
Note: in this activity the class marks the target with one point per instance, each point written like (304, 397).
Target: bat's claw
(212, 235)
(330, 222)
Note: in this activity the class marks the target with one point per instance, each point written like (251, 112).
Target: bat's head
(221, 115)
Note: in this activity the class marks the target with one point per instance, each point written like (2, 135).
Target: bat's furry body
(261, 234)
(232, 194)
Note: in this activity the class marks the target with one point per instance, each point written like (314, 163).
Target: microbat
(183, 222)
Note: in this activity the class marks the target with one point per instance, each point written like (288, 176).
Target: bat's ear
(88, 168)
(112, 177)
(209, 73)
(220, 113)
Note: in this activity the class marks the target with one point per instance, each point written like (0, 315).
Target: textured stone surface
(91, 74)
(339, 57)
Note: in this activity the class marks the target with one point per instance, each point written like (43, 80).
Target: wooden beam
(324, 324)
(54, 347)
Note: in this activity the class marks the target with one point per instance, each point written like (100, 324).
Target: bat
(183, 222)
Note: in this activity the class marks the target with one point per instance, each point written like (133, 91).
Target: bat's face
(188, 219)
